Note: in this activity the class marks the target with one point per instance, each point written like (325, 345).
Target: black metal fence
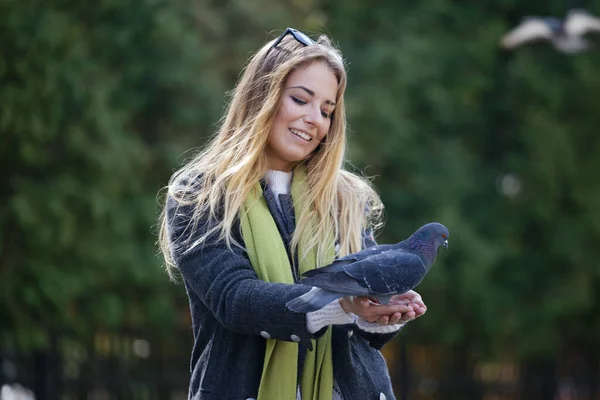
(108, 367)
(125, 366)
(441, 373)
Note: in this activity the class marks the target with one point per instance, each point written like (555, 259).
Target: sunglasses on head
(299, 36)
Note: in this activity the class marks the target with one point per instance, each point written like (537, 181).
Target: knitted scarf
(268, 256)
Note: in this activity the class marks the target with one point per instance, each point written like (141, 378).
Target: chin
(296, 158)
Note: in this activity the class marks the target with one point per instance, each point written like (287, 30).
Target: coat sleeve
(225, 281)
(376, 340)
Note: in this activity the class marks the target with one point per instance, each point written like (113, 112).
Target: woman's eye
(297, 100)
(302, 102)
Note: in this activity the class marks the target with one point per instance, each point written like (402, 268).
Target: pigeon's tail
(313, 300)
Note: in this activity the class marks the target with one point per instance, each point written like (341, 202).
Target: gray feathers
(566, 35)
(380, 271)
(314, 299)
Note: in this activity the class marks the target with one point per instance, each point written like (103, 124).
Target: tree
(498, 146)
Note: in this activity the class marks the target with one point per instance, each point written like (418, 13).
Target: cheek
(324, 130)
(288, 110)
(280, 117)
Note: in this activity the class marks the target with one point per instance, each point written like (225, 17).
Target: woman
(267, 200)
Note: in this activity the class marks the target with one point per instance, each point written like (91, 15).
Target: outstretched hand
(401, 308)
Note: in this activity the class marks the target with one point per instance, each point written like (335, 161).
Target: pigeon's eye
(444, 236)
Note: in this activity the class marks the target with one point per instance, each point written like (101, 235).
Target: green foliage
(99, 104)
(450, 124)
(101, 101)
(89, 96)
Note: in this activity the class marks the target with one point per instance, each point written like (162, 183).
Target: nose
(313, 116)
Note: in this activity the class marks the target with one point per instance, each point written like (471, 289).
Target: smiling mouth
(301, 134)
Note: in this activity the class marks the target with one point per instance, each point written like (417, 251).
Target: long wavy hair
(218, 179)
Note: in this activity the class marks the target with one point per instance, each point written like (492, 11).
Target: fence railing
(125, 366)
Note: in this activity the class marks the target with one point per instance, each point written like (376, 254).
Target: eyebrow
(310, 92)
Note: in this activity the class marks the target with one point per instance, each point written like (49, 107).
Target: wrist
(374, 327)
(344, 304)
(331, 314)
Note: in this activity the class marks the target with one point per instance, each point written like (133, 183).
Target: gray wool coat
(233, 313)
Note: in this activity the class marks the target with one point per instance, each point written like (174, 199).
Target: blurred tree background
(100, 102)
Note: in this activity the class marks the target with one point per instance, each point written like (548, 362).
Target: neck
(424, 248)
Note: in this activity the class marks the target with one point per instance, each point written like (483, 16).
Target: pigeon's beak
(445, 243)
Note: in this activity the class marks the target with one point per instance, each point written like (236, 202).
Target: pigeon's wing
(361, 255)
(529, 30)
(389, 273)
(572, 44)
(579, 22)
(338, 282)
(336, 266)
(340, 263)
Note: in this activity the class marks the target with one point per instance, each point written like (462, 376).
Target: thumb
(364, 302)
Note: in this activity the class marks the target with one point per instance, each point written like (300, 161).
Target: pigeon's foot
(375, 301)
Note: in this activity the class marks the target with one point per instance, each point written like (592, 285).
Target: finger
(401, 297)
(420, 311)
(409, 316)
(380, 311)
(402, 309)
(419, 302)
(409, 295)
(398, 302)
(395, 318)
(362, 301)
(416, 296)
(384, 320)
(375, 312)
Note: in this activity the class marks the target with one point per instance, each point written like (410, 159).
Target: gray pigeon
(566, 35)
(379, 272)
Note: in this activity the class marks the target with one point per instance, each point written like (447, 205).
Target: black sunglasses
(299, 36)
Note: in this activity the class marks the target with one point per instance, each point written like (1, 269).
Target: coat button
(382, 396)
(350, 333)
(295, 338)
(265, 334)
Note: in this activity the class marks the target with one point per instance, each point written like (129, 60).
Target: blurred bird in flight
(567, 36)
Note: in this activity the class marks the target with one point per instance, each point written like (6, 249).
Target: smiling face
(304, 115)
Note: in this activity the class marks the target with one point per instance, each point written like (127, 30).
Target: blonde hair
(218, 179)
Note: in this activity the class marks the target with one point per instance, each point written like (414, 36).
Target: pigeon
(566, 35)
(378, 272)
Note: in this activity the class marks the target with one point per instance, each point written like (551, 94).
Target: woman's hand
(401, 308)
(415, 301)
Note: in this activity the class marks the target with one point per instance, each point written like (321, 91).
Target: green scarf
(268, 256)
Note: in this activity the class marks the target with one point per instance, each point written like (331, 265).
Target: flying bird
(378, 272)
(567, 36)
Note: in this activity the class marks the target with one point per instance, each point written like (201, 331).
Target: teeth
(301, 134)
